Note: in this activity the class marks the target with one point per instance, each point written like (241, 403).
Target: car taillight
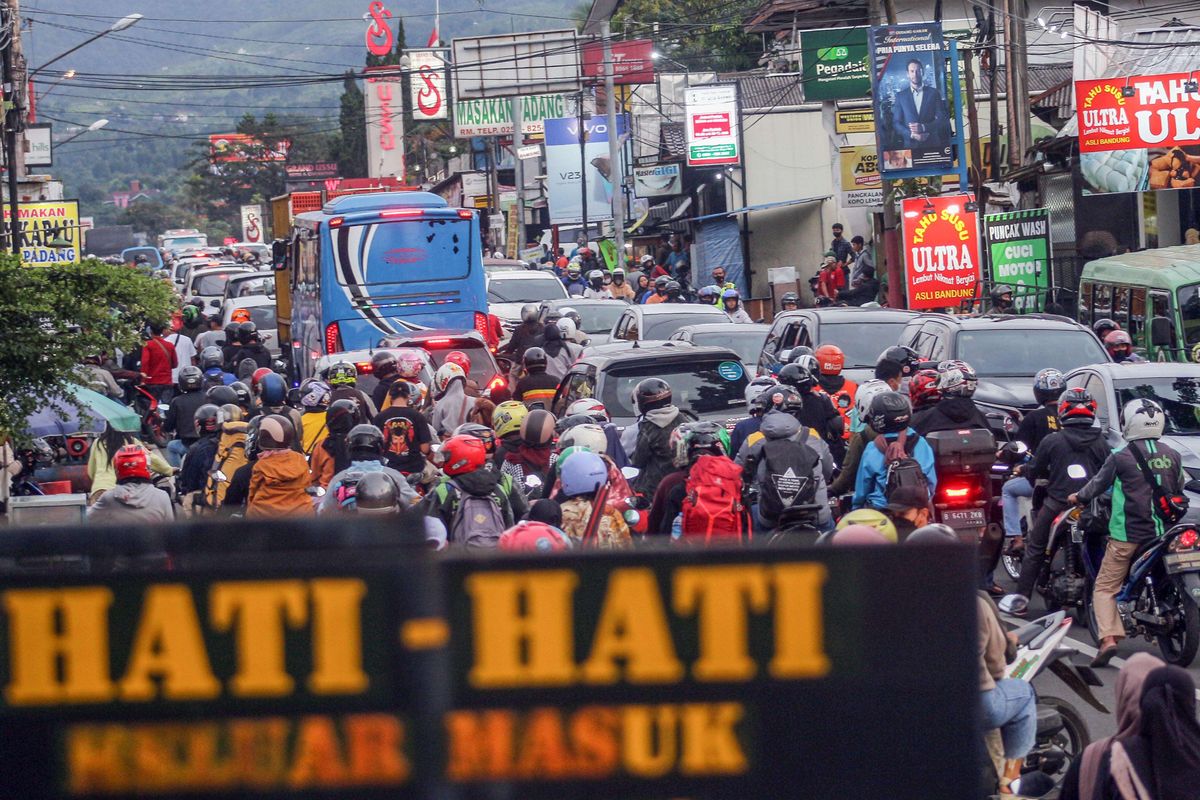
(481, 324)
(364, 367)
(333, 338)
(437, 342)
(337, 222)
(1186, 540)
(465, 214)
(401, 212)
(498, 382)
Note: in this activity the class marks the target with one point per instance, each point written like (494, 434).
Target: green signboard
(835, 64)
(1019, 251)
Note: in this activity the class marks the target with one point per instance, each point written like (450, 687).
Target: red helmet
(132, 461)
(922, 388)
(462, 454)
(830, 359)
(1076, 407)
(1118, 339)
(258, 375)
(534, 537)
(458, 357)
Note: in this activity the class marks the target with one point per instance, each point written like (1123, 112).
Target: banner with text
(712, 128)
(1138, 133)
(384, 107)
(862, 187)
(633, 61)
(912, 114)
(493, 117)
(427, 84)
(564, 169)
(941, 250)
(1019, 253)
(252, 223)
(835, 64)
(48, 232)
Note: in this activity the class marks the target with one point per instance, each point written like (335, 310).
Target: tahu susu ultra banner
(941, 251)
(1138, 133)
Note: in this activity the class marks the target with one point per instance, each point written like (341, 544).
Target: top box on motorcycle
(965, 451)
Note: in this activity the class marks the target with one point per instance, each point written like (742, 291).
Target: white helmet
(589, 406)
(867, 392)
(756, 387)
(566, 326)
(446, 373)
(1144, 419)
(588, 436)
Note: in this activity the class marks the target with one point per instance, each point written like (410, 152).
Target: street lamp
(66, 76)
(116, 27)
(95, 126)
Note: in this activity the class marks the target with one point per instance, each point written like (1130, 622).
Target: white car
(208, 283)
(262, 314)
(508, 292)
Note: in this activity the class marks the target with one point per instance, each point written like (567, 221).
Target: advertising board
(912, 112)
(1019, 254)
(862, 186)
(384, 109)
(660, 180)
(427, 84)
(49, 232)
(493, 116)
(835, 64)
(712, 125)
(564, 169)
(633, 61)
(941, 251)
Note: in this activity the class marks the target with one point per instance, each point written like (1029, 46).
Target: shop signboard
(862, 187)
(49, 232)
(835, 64)
(493, 116)
(912, 109)
(854, 120)
(427, 84)
(712, 127)
(1019, 254)
(659, 180)
(941, 251)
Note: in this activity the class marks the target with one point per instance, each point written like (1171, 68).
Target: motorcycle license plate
(1182, 562)
(964, 518)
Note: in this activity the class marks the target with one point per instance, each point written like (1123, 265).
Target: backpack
(905, 471)
(477, 521)
(231, 456)
(347, 491)
(790, 477)
(712, 505)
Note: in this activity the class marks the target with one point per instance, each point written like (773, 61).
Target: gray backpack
(478, 521)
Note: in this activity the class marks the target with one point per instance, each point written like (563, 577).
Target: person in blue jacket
(889, 416)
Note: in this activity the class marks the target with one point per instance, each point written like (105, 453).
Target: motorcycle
(150, 412)
(1009, 457)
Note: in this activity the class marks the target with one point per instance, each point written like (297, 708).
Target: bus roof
(1161, 268)
(374, 201)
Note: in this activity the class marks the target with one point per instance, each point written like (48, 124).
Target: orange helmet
(240, 315)
(831, 359)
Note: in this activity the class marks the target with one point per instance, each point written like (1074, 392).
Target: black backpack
(905, 471)
(791, 477)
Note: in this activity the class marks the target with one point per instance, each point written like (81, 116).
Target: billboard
(48, 230)
(563, 169)
(1019, 254)
(1138, 133)
(633, 61)
(226, 148)
(713, 125)
(311, 171)
(514, 64)
(39, 149)
(427, 84)
(252, 223)
(385, 127)
(494, 117)
(660, 180)
(862, 186)
(941, 250)
(835, 64)
(912, 107)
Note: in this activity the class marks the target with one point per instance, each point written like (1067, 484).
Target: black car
(862, 333)
(708, 382)
(1006, 351)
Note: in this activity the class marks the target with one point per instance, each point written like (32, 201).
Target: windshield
(1179, 397)
(747, 344)
(525, 290)
(661, 326)
(185, 241)
(402, 251)
(262, 316)
(1016, 353)
(264, 285)
(482, 368)
(861, 342)
(210, 285)
(699, 388)
(1189, 312)
(601, 317)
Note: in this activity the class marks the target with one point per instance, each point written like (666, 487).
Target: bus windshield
(1189, 313)
(402, 251)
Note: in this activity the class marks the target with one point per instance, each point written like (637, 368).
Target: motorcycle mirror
(1077, 472)
(632, 517)
(630, 472)
(316, 491)
(220, 476)
(1020, 448)
(533, 482)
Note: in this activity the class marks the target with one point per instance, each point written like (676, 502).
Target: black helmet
(252, 448)
(674, 289)
(534, 360)
(1104, 326)
(276, 432)
(246, 368)
(211, 358)
(570, 421)
(248, 333)
(798, 376)
(901, 356)
(1048, 384)
(241, 391)
(141, 258)
(222, 395)
(190, 378)
(890, 412)
(661, 282)
(376, 494)
(208, 419)
(231, 332)
(652, 393)
(997, 295)
(364, 441)
(341, 416)
(383, 365)
(529, 313)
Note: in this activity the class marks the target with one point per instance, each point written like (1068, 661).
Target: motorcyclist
(571, 333)
(709, 295)
(755, 410)
(464, 464)
(532, 454)
(560, 354)
(252, 346)
(657, 418)
(574, 281)
(385, 366)
(98, 379)
(1001, 299)
(272, 399)
(890, 415)
(329, 454)
(1120, 347)
(1138, 515)
(452, 405)
(407, 436)
(528, 334)
(731, 304)
(280, 478)
(923, 389)
(506, 422)
(789, 302)
(895, 364)
(537, 388)
(1066, 459)
(1104, 326)
(343, 384)
(690, 441)
(180, 417)
(766, 464)
(580, 481)
(675, 292)
(198, 461)
(596, 289)
(620, 288)
(212, 363)
(1035, 426)
(955, 410)
(830, 362)
(861, 434)
(659, 295)
(816, 411)
(193, 322)
(314, 400)
(231, 346)
(134, 500)
(365, 444)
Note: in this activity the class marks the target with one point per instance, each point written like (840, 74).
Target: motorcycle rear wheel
(1179, 647)
(1073, 737)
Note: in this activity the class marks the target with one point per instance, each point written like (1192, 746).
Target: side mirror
(1192, 486)
(1162, 332)
(220, 476)
(630, 472)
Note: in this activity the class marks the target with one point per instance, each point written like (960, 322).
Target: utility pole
(973, 120)
(12, 118)
(891, 220)
(518, 121)
(583, 168)
(1018, 82)
(616, 174)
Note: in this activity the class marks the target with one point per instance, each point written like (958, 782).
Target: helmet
(231, 331)
(1102, 326)
(799, 375)
(376, 494)
(529, 313)
(1144, 419)
(239, 316)
(572, 315)
(189, 314)
(569, 421)
(583, 474)
(508, 416)
(141, 258)
(691, 440)
(830, 359)
(589, 436)
(197, 302)
(756, 387)
(131, 461)
(447, 372)
(730, 294)
(481, 432)
(595, 278)
(460, 358)
(275, 432)
(998, 292)
(956, 379)
(343, 373)
(314, 394)
(383, 365)
(248, 332)
(409, 363)
(461, 454)
(1048, 384)
(538, 537)
(708, 294)
(573, 270)
(933, 533)
(538, 427)
(1118, 340)
(207, 418)
(534, 360)
(589, 406)
(872, 519)
(221, 395)
(365, 440)
(890, 412)
(566, 326)
(799, 352)
(904, 357)
(190, 378)
(231, 412)
(272, 390)
(923, 388)
(211, 358)
(660, 283)
(1076, 407)
(673, 289)
(251, 445)
(341, 416)
(244, 398)
(780, 397)
(650, 394)
(257, 376)
(789, 297)
(246, 368)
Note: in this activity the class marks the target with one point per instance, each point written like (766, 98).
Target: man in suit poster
(913, 121)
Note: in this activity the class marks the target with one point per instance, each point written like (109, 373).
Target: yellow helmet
(872, 519)
(508, 416)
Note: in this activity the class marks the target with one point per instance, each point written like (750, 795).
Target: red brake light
(465, 214)
(498, 382)
(333, 338)
(363, 367)
(1187, 539)
(956, 492)
(337, 222)
(481, 324)
(438, 342)
(402, 212)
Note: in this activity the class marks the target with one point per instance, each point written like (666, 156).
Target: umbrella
(81, 410)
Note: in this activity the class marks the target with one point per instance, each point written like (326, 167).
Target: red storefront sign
(941, 251)
(1148, 111)
(633, 61)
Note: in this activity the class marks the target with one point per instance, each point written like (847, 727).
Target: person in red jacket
(495, 332)
(158, 359)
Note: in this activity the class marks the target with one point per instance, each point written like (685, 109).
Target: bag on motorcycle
(791, 477)
(347, 491)
(905, 471)
(1170, 507)
(712, 505)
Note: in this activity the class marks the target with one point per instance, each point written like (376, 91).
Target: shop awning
(760, 207)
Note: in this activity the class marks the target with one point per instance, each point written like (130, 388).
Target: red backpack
(713, 503)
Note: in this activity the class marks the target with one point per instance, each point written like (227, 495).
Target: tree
(56, 316)
(710, 34)
(351, 147)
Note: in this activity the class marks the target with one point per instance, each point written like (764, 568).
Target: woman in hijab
(1082, 779)
(560, 354)
(643, 288)
(1162, 761)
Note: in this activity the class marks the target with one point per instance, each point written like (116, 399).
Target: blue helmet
(731, 294)
(272, 390)
(583, 474)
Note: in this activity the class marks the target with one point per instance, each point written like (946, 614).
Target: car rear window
(861, 342)
(533, 289)
(210, 285)
(661, 326)
(1016, 353)
(709, 386)
(483, 369)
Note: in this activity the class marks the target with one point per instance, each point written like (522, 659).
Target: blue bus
(369, 265)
